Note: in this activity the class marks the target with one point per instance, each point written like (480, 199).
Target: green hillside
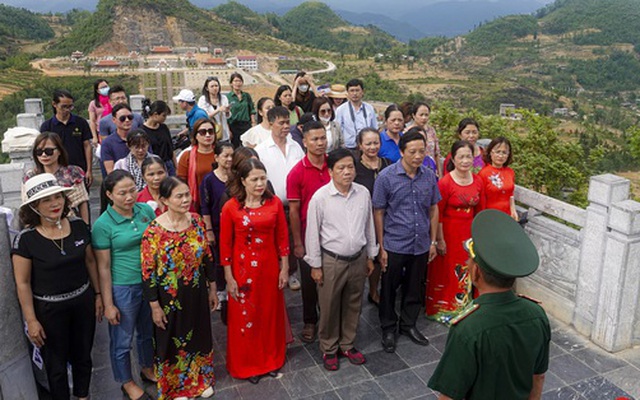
(314, 24)
(500, 33)
(242, 15)
(606, 21)
(96, 29)
(19, 23)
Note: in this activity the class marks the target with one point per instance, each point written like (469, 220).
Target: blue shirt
(107, 127)
(195, 114)
(407, 203)
(364, 117)
(388, 147)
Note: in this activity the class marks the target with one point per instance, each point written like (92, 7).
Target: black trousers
(70, 327)
(408, 272)
(237, 128)
(309, 294)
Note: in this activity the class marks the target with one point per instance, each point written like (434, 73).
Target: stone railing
(589, 273)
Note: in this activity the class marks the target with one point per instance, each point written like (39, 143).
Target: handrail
(548, 205)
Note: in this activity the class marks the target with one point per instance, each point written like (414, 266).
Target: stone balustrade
(589, 275)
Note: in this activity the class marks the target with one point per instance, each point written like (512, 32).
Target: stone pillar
(28, 120)
(604, 190)
(620, 279)
(135, 101)
(16, 378)
(33, 106)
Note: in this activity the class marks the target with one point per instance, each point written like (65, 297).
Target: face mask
(304, 88)
(325, 120)
(104, 91)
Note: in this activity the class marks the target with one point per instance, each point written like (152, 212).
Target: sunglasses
(122, 118)
(326, 111)
(207, 132)
(47, 150)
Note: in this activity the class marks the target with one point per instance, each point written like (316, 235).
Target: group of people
(304, 181)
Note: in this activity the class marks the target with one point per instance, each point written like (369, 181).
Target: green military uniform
(496, 346)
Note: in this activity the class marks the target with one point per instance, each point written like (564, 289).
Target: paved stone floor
(578, 370)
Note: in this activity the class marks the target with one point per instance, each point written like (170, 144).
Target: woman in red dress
(448, 281)
(499, 179)
(469, 130)
(254, 245)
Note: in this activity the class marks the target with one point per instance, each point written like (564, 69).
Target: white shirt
(255, 136)
(278, 165)
(351, 126)
(338, 223)
(220, 118)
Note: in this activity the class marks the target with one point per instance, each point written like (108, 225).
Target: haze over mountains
(404, 19)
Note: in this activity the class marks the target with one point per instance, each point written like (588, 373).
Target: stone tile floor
(578, 370)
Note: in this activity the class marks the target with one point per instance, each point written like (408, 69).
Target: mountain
(400, 30)
(242, 15)
(137, 25)
(451, 18)
(314, 24)
(18, 25)
(596, 22)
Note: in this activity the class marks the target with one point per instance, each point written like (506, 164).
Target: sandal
(254, 379)
(308, 334)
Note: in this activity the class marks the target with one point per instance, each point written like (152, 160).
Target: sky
(392, 8)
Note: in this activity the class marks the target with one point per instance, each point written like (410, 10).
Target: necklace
(61, 245)
(369, 165)
(174, 224)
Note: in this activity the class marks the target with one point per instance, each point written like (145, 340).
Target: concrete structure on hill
(248, 63)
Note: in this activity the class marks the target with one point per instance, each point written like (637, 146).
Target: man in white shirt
(341, 245)
(279, 154)
(355, 115)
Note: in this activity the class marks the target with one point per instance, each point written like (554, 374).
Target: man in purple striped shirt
(405, 202)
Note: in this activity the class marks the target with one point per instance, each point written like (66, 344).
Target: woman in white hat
(60, 313)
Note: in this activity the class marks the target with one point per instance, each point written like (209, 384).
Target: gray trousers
(340, 301)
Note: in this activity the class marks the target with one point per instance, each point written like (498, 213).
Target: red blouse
(499, 184)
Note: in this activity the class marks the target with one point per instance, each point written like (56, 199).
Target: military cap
(500, 246)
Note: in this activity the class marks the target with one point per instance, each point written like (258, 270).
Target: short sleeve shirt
(194, 115)
(113, 148)
(73, 134)
(303, 181)
(160, 141)
(47, 262)
(494, 352)
(388, 147)
(407, 202)
(122, 236)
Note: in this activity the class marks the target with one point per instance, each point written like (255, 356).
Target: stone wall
(589, 274)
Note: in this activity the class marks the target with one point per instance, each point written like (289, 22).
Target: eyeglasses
(122, 118)
(206, 132)
(47, 150)
(66, 106)
(324, 111)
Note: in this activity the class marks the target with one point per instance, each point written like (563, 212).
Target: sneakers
(354, 356)
(222, 296)
(208, 392)
(294, 283)
(331, 362)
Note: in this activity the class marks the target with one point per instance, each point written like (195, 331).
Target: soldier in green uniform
(499, 347)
